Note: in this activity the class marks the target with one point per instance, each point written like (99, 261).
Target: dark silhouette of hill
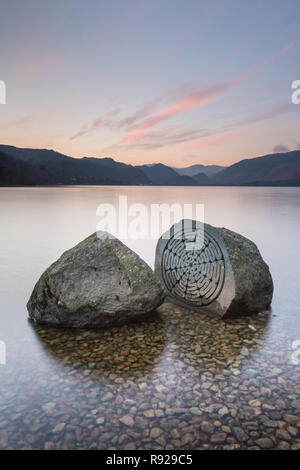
(281, 169)
(45, 167)
(52, 168)
(13, 172)
(163, 175)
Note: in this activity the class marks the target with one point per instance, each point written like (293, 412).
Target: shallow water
(177, 381)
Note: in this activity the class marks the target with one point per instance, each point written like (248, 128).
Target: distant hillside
(282, 169)
(202, 179)
(194, 170)
(13, 172)
(49, 167)
(163, 175)
(23, 167)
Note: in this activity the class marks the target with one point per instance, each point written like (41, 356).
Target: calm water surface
(179, 381)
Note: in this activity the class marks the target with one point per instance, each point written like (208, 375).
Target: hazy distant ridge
(194, 170)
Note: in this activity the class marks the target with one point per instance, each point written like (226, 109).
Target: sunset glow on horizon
(143, 81)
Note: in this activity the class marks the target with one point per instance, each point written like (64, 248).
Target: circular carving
(193, 267)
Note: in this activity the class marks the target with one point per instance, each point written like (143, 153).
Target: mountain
(282, 169)
(163, 175)
(194, 170)
(49, 167)
(13, 172)
(23, 167)
(202, 179)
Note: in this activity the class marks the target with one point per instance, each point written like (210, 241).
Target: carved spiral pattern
(195, 275)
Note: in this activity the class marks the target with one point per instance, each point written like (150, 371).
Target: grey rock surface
(98, 283)
(213, 269)
(252, 277)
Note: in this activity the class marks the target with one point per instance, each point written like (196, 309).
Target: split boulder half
(213, 269)
(98, 283)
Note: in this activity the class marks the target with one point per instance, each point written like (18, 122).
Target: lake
(181, 380)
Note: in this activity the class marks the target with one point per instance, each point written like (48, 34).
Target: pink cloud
(199, 98)
(280, 110)
(107, 120)
(141, 113)
(202, 97)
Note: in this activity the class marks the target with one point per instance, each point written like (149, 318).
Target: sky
(143, 81)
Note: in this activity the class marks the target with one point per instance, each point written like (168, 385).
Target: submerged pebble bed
(179, 380)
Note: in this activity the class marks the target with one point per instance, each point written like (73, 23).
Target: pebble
(223, 411)
(252, 327)
(239, 433)
(244, 352)
(49, 445)
(196, 411)
(218, 437)
(283, 445)
(252, 372)
(59, 427)
(207, 427)
(283, 435)
(187, 438)
(292, 419)
(255, 403)
(155, 433)
(265, 443)
(128, 420)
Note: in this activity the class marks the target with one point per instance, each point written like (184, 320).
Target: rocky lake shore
(179, 380)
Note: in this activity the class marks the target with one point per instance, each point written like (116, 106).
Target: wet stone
(155, 433)
(239, 433)
(128, 420)
(265, 443)
(218, 437)
(283, 435)
(59, 427)
(292, 419)
(207, 427)
(98, 283)
(283, 445)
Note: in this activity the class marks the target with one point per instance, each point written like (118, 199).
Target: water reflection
(126, 351)
(173, 333)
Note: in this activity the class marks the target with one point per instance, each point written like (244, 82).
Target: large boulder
(98, 283)
(213, 269)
